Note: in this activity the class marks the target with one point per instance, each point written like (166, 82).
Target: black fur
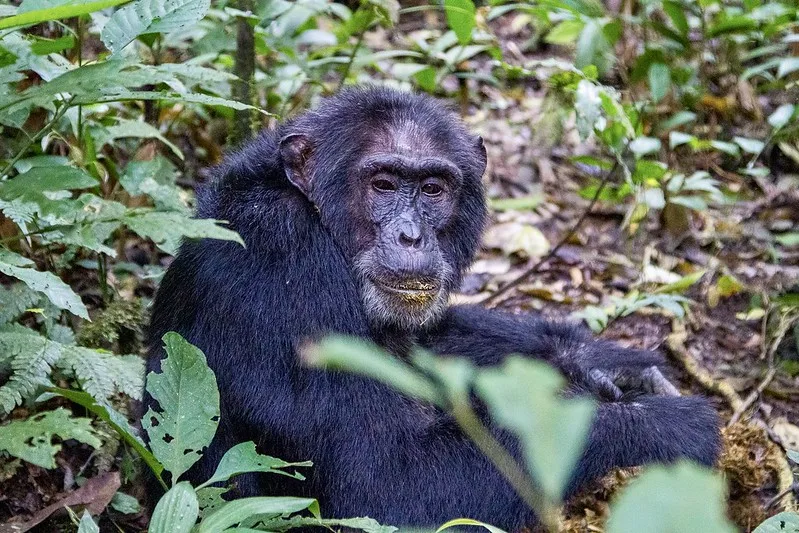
(375, 452)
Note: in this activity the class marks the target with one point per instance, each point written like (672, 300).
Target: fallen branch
(675, 344)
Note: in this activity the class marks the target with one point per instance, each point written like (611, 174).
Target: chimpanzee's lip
(409, 286)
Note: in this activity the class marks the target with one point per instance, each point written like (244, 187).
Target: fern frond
(103, 374)
(30, 358)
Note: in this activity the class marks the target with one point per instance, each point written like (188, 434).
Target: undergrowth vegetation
(110, 109)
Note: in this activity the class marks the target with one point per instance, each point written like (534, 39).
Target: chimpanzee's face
(407, 199)
(399, 209)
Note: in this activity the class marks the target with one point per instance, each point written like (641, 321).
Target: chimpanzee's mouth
(409, 287)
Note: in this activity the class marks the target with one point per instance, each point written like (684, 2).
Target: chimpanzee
(359, 218)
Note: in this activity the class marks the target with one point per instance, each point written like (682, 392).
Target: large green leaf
(683, 498)
(41, 179)
(87, 524)
(49, 284)
(239, 510)
(524, 396)
(150, 16)
(167, 229)
(780, 523)
(32, 439)
(176, 511)
(59, 10)
(366, 359)
(244, 458)
(188, 399)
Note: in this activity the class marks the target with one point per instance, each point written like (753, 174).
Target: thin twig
(39, 134)
(566, 238)
(753, 396)
(783, 493)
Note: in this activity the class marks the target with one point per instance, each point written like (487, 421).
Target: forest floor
(732, 345)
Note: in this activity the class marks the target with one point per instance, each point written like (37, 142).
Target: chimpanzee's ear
(481, 153)
(295, 152)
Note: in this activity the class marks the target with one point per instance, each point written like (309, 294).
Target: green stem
(473, 427)
(352, 59)
(56, 117)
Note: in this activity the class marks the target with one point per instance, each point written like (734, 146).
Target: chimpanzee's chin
(405, 309)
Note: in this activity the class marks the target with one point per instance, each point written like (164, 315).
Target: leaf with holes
(188, 399)
(32, 439)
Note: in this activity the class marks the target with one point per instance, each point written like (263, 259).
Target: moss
(117, 328)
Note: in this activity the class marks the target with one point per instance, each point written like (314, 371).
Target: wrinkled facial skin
(407, 200)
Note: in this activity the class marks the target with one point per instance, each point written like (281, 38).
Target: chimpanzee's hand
(609, 371)
(612, 384)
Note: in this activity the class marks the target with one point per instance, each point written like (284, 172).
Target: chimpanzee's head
(396, 179)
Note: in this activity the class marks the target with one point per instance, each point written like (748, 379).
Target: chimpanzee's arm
(486, 336)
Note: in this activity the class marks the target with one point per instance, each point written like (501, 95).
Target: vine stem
(471, 425)
(56, 117)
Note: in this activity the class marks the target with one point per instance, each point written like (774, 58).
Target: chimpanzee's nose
(410, 234)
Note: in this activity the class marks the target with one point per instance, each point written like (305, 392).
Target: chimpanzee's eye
(432, 189)
(383, 185)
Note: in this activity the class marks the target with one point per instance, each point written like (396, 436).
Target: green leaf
(68, 9)
(780, 523)
(593, 47)
(365, 524)
(565, 32)
(47, 283)
(87, 524)
(751, 146)
(41, 179)
(188, 399)
(117, 421)
(787, 66)
(239, 510)
(150, 16)
(689, 499)
(793, 455)
(176, 511)
(468, 522)
(682, 284)
(523, 395)
(781, 116)
(788, 239)
(676, 13)
(125, 503)
(461, 18)
(659, 80)
(137, 129)
(642, 146)
(168, 228)
(678, 138)
(366, 359)
(243, 458)
(32, 439)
